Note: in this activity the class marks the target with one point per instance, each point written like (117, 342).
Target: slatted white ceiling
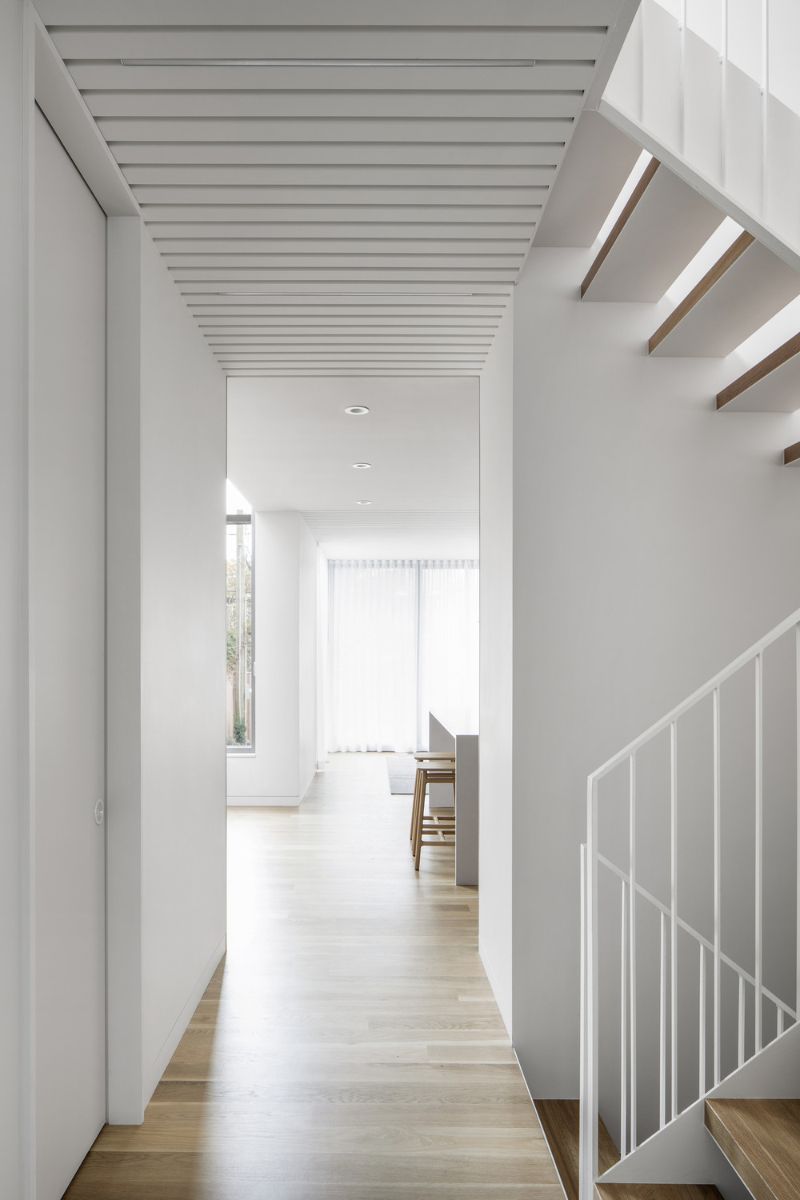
(341, 187)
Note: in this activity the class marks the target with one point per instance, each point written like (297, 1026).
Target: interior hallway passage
(349, 1047)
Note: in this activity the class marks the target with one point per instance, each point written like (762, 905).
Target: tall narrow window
(239, 628)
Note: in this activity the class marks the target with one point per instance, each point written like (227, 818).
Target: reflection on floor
(349, 1048)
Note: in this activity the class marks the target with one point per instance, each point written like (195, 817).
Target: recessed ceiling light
(357, 410)
(362, 466)
(363, 502)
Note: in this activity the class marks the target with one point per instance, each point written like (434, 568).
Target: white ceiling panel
(292, 446)
(340, 184)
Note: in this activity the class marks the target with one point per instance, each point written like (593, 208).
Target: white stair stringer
(684, 1151)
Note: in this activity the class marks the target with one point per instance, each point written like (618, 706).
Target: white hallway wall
(496, 655)
(283, 765)
(166, 667)
(653, 540)
(15, 100)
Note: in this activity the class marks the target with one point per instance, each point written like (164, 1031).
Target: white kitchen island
(451, 731)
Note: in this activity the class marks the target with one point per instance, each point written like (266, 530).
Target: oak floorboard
(349, 1046)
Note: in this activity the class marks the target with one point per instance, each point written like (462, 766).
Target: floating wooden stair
(657, 1191)
(791, 455)
(746, 286)
(659, 231)
(761, 1140)
(560, 1121)
(772, 385)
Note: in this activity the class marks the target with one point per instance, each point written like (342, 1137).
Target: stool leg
(414, 807)
(419, 807)
(419, 812)
(421, 817)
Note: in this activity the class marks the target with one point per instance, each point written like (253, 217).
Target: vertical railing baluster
(717, 887)
(623, 1038)
(589, 1112)
(759, 850)
(740, 1040)
(586, 1186)
(701, 1058)
(662, 1024)
(764, 103)
(797, 815)
(632, 940)
(723, 97)
(673, 915)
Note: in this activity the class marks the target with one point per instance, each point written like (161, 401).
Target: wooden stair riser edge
(768, 364)
(701, 289)
(620, 223)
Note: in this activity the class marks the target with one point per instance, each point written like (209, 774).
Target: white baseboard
(264, 801)
(175, 1034)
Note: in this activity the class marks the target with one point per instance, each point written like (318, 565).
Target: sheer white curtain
(448, 646)
(402, 639)
(372, 655)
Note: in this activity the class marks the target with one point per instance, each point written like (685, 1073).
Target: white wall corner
(123, 653)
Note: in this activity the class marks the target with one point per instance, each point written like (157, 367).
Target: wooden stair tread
(743, 289)
(658, 232)
(560, 1121)
(657, 1191)
(761, 1140)
(791, 455)
(772, 385)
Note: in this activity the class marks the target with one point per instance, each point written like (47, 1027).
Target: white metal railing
(709, 950)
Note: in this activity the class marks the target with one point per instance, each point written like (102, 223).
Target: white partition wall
(67, 658)
(496, 661)
(16, 106)
(166, 768)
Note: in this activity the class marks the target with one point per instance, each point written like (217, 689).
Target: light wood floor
(349, 1048)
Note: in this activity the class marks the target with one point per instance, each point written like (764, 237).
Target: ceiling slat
(396, 154)
(319, 232)
(285, 194)
(354, 213)
(334, 175)
(113, 76)
(343, 130)
(474, 13)
(172, 247)
(324, 42)
(328, 105)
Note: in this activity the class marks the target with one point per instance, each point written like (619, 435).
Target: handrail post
(759, 851)
(589, 1025)
(632, 941)
(797, 810)
(673, 915)
(717, 889)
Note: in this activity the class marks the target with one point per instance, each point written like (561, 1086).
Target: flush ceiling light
(362, 466)
(328, 62)
(363, 502)
(357, 410)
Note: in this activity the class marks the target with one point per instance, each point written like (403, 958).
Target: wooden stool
(432, 767)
